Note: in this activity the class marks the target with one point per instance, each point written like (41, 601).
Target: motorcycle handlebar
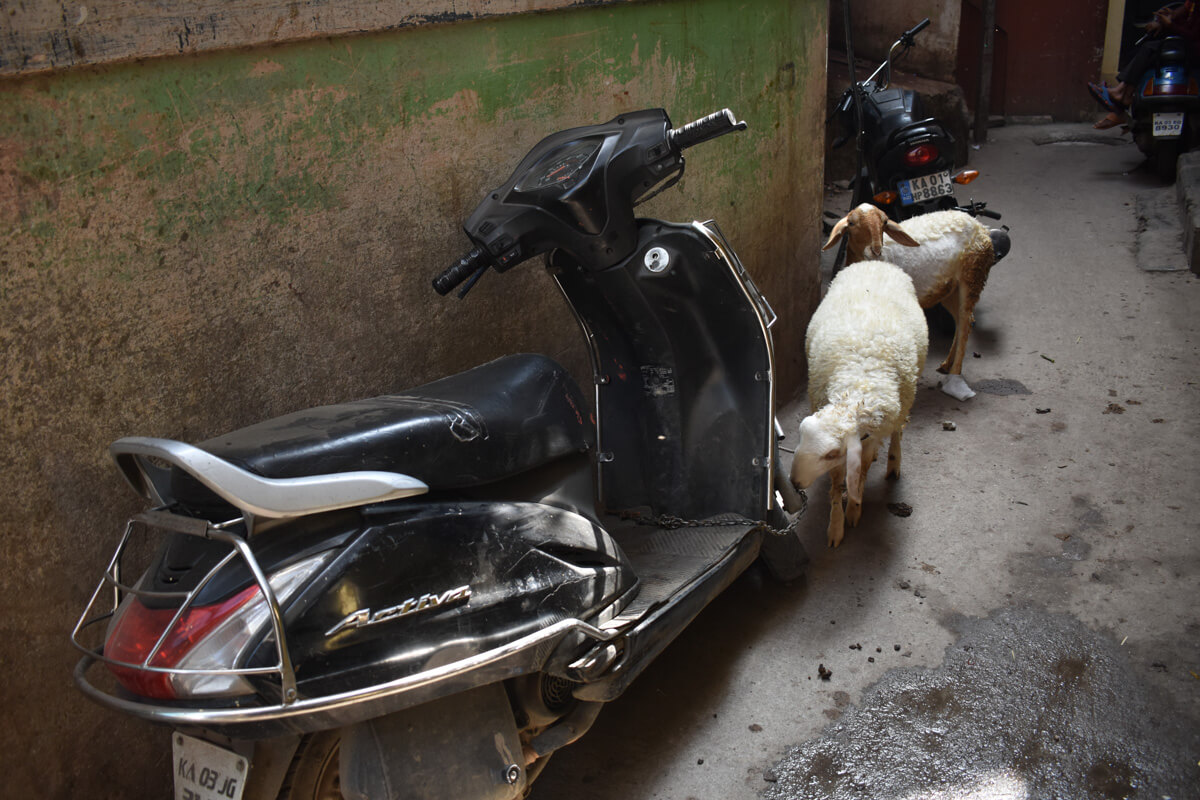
(920, 26)
(710, 127)
(459, 271)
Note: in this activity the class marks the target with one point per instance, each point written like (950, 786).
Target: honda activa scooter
(1165, 111)
(426, 594)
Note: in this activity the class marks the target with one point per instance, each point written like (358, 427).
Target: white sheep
(866, 347)
(948, 254)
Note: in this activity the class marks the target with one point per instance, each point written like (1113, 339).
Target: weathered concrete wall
(190, 244)
(876, 25)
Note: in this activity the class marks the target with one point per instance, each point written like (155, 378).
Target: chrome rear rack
(164, 521)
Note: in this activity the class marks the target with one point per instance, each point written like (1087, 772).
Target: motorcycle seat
(918, 129)
(504, 417)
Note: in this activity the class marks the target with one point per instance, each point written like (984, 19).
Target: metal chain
(672, 522)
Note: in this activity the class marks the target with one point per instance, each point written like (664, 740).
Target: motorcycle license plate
(1168, 125)
(927, 187)
(204, 771)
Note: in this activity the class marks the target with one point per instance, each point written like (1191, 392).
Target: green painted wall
(190, 244)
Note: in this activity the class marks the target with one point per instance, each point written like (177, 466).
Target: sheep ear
(854, 486)
(837, 232)
(897, 234)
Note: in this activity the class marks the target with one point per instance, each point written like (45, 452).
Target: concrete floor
(1033, 628)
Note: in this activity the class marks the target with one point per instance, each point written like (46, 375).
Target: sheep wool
(946, 237)
(866, 346)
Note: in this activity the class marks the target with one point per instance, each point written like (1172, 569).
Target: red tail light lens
(921, 155)
(137, 628)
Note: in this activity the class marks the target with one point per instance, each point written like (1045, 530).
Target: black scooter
(1165, 111)
(426, 594)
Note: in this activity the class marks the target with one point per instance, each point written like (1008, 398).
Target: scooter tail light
(1172, 80)
(1176, 89)
(966, 176)
(211, 639)
(921, 155)
(886, 197)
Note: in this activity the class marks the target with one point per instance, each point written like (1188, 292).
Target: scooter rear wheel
(314, 773)
(1166, 156)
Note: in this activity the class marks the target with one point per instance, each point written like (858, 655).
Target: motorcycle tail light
(921, 155)
(210, 639)
(886, 198)
(966, 176)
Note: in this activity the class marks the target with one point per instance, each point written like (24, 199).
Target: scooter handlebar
(459, 271)
(710, 127)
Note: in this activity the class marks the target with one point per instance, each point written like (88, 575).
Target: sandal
(1111, 120)
(1100, 93)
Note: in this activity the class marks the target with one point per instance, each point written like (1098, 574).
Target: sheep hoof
(893, 474)
(835, 536)
(853, 514)
(957, 387)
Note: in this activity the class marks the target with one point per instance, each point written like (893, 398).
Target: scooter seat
(478, 426)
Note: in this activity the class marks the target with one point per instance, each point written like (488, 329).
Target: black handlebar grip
(459, 271)
(710, 127)
(920, 26)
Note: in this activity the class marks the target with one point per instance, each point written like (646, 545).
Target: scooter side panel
(683, 374)
(429, 585)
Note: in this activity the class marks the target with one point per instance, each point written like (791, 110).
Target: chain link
(672, 522)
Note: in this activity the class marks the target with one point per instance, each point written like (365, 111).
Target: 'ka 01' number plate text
(204, 771)
(1168, 125)
(927, 187)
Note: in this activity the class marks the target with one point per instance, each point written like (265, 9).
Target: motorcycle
(425, 595)
(1164, 113)
(904, 156)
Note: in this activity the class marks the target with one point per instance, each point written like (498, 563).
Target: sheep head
(818, 451)
(864, 228)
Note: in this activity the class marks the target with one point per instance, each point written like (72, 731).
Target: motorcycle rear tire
(314, 773)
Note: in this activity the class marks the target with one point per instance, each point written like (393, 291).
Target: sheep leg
(837, 484)
(970, 287)
(953, 304)
(955, 385)
(853, 507)
(893, 459)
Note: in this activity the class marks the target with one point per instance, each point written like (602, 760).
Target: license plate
(927, 187)
(204, 771)
(1168, 125)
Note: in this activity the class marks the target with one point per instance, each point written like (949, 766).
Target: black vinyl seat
(498, 419)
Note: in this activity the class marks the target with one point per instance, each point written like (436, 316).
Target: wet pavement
(1031, 630)
(1025, 704)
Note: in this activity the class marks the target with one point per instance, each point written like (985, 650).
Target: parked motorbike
(426, 594)
(905, 158)
(1165, 110)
